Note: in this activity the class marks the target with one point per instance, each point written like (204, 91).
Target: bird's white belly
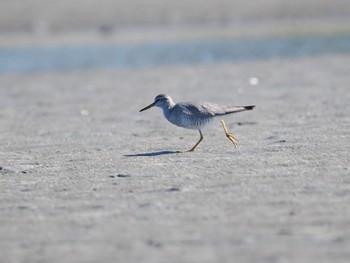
(192, 122)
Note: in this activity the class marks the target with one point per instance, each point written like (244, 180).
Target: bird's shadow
(152, 153)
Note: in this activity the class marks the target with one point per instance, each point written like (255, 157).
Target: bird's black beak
(149, 106)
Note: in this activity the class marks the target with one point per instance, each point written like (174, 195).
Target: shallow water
(143, 55)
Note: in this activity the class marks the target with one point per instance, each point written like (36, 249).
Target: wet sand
(85, 177)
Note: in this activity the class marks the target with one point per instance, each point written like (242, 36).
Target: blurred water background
(46, 35)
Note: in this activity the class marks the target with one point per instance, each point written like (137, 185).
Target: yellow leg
(200, 139)
(229, 135)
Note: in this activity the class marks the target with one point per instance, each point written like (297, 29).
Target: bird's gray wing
(207, 109)
(201, 110)
(218, 110)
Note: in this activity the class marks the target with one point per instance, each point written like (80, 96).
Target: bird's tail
(249, 107)
(239, 109)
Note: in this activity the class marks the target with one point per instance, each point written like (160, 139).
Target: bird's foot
(191, 150)
(229, 135)
(232, 138)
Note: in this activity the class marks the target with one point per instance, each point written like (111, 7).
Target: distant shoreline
(40, 16)
(133, 55)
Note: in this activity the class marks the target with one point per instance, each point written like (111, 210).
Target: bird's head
(161, 101)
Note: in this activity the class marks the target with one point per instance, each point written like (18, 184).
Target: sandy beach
(85, 177)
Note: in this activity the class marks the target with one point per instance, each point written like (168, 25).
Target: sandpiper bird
(196, 116)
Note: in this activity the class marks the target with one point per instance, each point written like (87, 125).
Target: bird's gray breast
(189, 115)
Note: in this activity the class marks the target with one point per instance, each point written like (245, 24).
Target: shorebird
(196, 116)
